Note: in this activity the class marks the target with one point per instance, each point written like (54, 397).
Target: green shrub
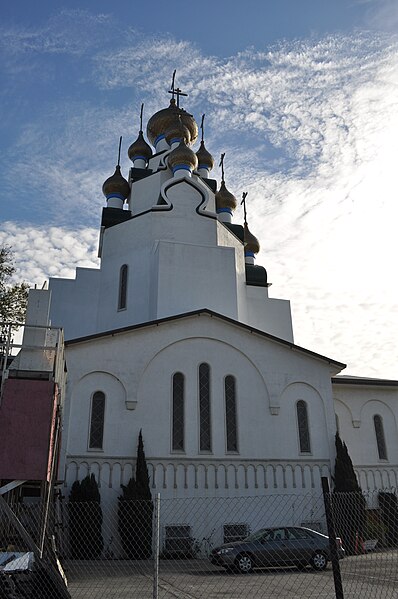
(85, 519)
(135, 511)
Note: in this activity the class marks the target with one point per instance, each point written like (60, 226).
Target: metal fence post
(338, 585)
(156, 549)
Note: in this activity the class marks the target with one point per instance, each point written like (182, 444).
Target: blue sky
(301, 95)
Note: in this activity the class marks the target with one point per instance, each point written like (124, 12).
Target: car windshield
(258, 535)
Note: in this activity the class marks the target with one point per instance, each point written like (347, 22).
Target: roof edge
(363, 381)
(212, 314)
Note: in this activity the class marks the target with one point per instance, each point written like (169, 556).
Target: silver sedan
(283, 546)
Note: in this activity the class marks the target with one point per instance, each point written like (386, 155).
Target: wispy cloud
(42, 252)
(68, 32)
(309, 128)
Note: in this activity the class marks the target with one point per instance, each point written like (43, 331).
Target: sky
(302, 96)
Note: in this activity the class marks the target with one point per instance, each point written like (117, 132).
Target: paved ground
(370, 576)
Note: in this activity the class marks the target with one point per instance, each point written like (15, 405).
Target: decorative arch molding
(378, 403)
(304, 384)
(355, 422)
(201, 188)
(216, 476)
(142, 373)
(373, 479)
(317, 413)
(109, 380)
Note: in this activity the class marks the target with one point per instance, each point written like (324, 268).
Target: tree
(135, 510)
(13, 296)
(349, 506)
(344, 475)
(85, 519)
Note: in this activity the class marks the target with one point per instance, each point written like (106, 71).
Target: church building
(175, 334)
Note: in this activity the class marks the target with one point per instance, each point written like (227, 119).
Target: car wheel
(244, 563)
(319, 561)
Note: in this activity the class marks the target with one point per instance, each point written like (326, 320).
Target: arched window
(303, 427)
(97, 421)
(230, 413)
(204, 408)
(122, 301)
(178, 412)
(380, 438)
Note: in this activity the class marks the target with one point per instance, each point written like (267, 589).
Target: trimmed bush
(85, 519)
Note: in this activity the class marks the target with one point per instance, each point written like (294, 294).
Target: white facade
(174, 291)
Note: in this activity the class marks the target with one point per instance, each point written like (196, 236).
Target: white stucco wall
(138, 366)
(356, 406)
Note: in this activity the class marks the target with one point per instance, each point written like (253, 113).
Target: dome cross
(175, 91)
(243, 203)
(222, 166)
(202, 126)
(120, 147)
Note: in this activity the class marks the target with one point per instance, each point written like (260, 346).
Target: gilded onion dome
(168, 117)
(116, 185)
(225, 199)
(140, 149)
(252, 244)
(178, 132)
(182, 156)
(205, 159)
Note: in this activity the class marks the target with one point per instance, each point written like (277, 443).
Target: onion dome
(252, 244)
(225, 200)
(166, 118)
(205, 159)
(140, 149)
(182, 157)
(178, 132)
(116, 186)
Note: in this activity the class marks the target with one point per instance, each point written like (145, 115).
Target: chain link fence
(265, 546)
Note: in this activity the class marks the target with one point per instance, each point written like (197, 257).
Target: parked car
(284, 546)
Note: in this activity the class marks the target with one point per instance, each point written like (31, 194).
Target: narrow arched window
(97, 421)
(204, 408)
(303, 427)
(122, 301)
(380, 438)
(230, 413)
(178, 412)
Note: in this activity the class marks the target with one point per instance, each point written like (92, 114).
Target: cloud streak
(309, 128)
